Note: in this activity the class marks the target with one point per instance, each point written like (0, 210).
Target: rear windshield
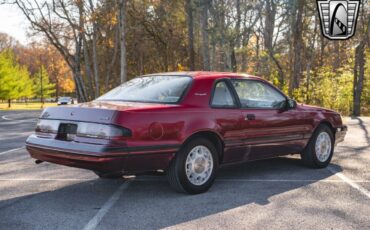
(153, 89)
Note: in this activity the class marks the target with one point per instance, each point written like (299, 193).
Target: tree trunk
(204, 32)
(268, 34)
(110, 65)
(310, 59)
(80, 86)
(297, 47)
(95, 65)
(258, 66)
(234, 66)
(359, 71)
(57, 89)
(122, 26)
(95, 56)
(359, 68)
(190, 24)
(88, 71)
(9, 103)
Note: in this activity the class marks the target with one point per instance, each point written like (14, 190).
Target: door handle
(250, 117)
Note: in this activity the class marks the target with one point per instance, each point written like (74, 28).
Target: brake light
(63, 128)
(101, 131)
(47, 126)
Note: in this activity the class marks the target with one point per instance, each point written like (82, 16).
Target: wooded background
(98, 44)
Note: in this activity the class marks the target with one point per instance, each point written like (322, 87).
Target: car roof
(207, 74)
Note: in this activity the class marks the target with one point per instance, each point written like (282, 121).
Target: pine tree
(43, 88)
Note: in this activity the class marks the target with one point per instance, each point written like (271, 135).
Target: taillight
(101, 131)
(47, 126)
(84, 129)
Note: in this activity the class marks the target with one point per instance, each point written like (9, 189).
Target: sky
(13, 23)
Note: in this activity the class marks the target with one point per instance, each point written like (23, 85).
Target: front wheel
(320, 148)
(194, 167)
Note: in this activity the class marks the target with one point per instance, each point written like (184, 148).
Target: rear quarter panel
(173, 124)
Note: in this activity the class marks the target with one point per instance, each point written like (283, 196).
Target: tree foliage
(280, 40)
(42, 86)
(15, 81)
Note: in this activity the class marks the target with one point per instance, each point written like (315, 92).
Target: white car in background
(65, 101)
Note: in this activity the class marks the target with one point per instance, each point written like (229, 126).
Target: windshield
(156, 89)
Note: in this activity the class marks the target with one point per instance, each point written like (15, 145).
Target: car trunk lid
(104, 112)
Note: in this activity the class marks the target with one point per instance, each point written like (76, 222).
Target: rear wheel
(194, 167)
(320, 148)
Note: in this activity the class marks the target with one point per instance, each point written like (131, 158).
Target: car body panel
(159, 130)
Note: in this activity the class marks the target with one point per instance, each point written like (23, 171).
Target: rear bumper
(340, 134)
(99, 157)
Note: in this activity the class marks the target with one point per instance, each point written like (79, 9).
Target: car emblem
(338, 18)
(72, 113)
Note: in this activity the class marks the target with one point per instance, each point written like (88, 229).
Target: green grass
(25, 106)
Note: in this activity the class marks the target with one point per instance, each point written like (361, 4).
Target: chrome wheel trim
(199, 165)
(323, 146)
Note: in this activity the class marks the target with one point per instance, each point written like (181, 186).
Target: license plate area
(67, 131)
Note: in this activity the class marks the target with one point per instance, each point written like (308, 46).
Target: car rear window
(152, 89)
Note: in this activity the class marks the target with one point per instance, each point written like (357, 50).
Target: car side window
(256, 94)
(222, 96)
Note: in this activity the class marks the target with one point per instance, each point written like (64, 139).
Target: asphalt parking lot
(271, 194)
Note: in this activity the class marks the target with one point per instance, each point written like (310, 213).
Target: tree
(57, 21)
(359, 65)
(297, 45)
(190, 34)
(204, 5)
(14, 79)
(122, 29)
(7, 42)
(106, 42)
(43, 88)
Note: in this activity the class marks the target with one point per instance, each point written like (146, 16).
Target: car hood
(98, 111)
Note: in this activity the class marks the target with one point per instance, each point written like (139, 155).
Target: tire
(203, 156)
(105, 175)
(319, 156)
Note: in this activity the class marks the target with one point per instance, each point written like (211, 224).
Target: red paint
(159, 130)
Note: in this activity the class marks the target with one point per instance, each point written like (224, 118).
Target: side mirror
(291, 104)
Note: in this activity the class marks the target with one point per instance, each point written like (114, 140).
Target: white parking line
(12, 150)
(43, 179)
(220, 180)
(5, 118)
(265, 180)
(93, 223)
(298, 181)
(350, 182)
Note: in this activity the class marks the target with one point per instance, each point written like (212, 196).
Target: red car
(186, 124)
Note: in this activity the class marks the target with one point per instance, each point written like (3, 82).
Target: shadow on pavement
(149, 202)
(363, 127)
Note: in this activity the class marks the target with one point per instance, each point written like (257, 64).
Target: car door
(226, 113)
(268, 128)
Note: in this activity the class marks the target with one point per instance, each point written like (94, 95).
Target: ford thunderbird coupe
(186, 125)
